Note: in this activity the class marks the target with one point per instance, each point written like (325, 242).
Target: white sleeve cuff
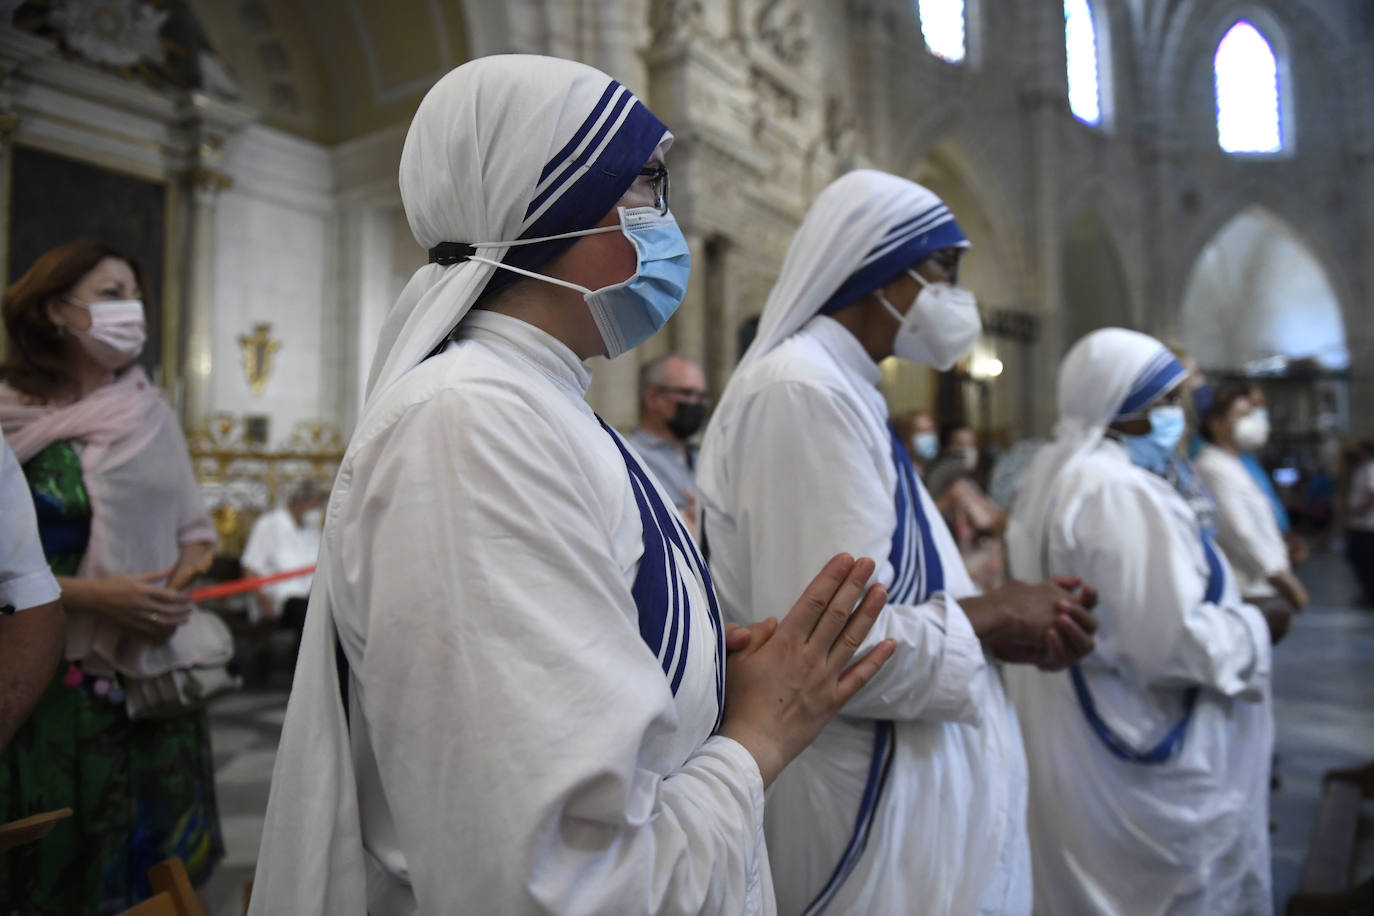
(29, 590)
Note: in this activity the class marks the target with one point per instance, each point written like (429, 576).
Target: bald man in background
(672, 407)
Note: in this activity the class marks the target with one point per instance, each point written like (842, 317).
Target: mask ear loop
(547, 238)
(925, 284)
(891, 310)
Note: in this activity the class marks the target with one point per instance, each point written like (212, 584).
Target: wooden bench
(1328, 887)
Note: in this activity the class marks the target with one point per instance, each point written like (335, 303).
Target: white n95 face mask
(117, 334)
(1251, 432)
(939, 328)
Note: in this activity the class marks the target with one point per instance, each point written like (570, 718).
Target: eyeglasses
(948, 260)
(658, 181)
(690, 395)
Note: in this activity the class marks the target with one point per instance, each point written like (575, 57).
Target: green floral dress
(142, 791)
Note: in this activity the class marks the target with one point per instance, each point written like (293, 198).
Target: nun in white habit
(510, 692)
(1149, 760)
(913, 800)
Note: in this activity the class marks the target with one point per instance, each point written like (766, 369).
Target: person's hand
(193, 562)
(1298, 553)
(738, 638)
(783, 686)
(136, 604)
(1290, 589)
(1278, 614)
(1024, 613)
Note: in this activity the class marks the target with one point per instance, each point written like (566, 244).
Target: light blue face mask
(926, 445)
(629, 313)
(1154, 450)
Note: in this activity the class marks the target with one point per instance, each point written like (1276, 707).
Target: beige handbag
(206, 646)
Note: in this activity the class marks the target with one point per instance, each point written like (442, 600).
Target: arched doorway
(1259, 305)
(1258, 300)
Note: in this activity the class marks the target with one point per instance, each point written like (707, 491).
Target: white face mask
(117, 334)
(1251, 431)
(969, 454)
(939, 328)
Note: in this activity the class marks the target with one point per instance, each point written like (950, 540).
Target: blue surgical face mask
(630, 312)
(1154, 450)
(926, 445)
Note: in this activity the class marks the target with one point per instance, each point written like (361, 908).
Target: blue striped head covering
(927, 226)
(1108, 375)
(860, 233)
(1160, 375)
(505, 148)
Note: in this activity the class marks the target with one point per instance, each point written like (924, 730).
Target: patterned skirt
(141, 792)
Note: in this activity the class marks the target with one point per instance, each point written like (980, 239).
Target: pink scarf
(114, 424)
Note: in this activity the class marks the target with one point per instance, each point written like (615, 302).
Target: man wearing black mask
(672, 407)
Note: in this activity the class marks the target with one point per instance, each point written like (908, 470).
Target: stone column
(195, 324)
(1044, 102)
(207, 123)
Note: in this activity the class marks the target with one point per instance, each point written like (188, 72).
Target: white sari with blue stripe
(1154, 750)
(916, 575)
(802, 466)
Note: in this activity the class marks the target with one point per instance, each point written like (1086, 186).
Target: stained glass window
(1247, 80)
(942, 24)
(1080, 40)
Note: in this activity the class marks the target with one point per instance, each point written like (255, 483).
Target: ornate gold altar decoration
(258, 350)
(241, 479)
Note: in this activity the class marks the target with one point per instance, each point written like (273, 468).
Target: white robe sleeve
(1250, 539)
(810, 486)
(1156, 624)
(509, 698)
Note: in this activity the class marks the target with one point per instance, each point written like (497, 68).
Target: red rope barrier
(239, 586)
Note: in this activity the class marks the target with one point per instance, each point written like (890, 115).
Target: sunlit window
(1247, 75)
(1080, 41)
(942, 24)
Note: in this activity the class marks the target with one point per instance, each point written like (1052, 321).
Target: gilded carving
(259, 350)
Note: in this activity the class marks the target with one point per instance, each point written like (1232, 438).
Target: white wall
(274, 253)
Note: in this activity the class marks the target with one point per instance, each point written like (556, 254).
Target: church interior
(1198, 170)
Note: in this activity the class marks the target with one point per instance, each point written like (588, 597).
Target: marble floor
(1323, 700)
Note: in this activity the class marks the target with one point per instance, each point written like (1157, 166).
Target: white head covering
(1108, 375)
(505, 148)
(863, 230)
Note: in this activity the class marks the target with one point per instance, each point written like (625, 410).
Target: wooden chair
(1328, 887)
(30, 829)
(173, 894)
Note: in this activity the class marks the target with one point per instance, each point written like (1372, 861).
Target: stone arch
(1306, 219)
(1258, 290)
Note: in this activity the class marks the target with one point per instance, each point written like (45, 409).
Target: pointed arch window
(1083, 59)
(943, 24)
(1248, 92)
